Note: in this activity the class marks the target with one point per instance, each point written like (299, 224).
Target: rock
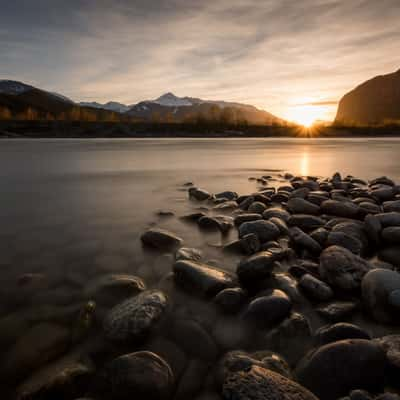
(281, 224)
(334, 369)
(160, 239)
(142, 375)
(257, 267)
(226, 206)
(67, 377)
(193, 339)
(306, 222)
(345, 209)
(304, 241)
(269, 310)
(341, 268)
(276, 212)
(230, 300)
(382, 180)
(229, 195)
(377, 287)
(37, 346)
(135, 317)
(389, 219)
(258, 383)
(360, 395)
(300, 193)
(257, 207)
(199, 194)
(373, 228)
(245, 203)
(391, 206)
(192, 380)
(315, 288)
(391, 234)
(112, 289)
(193, 217)
(320, 235)
(340, 331)
(247, 217)
(248, 244)
(391, 346)
(390, 254)
(354, 229)
(201, 278)
(337, 311)
(188, 253)
(383, 193)
(342, 239)
(292, 338)
(218, 222)
(264, 230)
(298, 205)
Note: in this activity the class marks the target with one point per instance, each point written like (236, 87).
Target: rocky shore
(310, 312)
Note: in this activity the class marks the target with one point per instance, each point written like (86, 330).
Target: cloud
(272, 54)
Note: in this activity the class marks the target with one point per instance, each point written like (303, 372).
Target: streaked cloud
(274, 54)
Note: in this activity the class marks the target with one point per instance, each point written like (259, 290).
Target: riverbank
(68, 129)
(313, 293)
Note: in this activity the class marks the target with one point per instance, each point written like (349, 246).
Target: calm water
(76, 208)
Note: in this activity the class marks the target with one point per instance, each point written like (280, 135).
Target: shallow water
(75, 209)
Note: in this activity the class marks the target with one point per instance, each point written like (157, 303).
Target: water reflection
(304, 163)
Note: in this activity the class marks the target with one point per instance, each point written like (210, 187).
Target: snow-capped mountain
(110, 106)
(170, 100)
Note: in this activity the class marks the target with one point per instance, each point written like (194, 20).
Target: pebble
(161, 239)
(315, 288)
(264, 230)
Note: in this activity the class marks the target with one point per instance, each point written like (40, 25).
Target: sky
(288, 57)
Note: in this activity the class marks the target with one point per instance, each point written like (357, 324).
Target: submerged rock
(199, 194)
(201, 278)
(135, 317)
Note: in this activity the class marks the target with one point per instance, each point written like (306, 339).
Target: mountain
(110, 106)
(22, 101)
(375, 101)
(171, 108)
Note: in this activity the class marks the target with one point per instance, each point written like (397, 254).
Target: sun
(305, 115)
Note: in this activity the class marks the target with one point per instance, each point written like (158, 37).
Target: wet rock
(258, 383)
(201, 278)
(264, 230)
(292, 338)
(257, 207)
(226, 206)
(219, 222)
(298, 205)
(67, 377)
(112, 289)
(257, 267)
(382, 180)
(381, 294)
(269, 310)
(303, 241)
(139, 375)
(193, 217)
(135, 317)
(391, 255)
(391, 206)
(306, 222)
(276, 212)
(320, 235)
(194, 339)
(245, 203)
(280, 197)
(337, 368)
(281, 224)
(391, 346)
(37, 346)
(188, 253)
(315, 288)
(192, 380)
(341, 268)
(344, 240)
(286, 284)
(339, 331)
(300, 193)
(383, 193)
(391, 234)
(344, 209)
(373, 228)
(229, 195)
(337, 311)
(354, 229)
(230, 300)
(160, 239)
(247, 217)
(369, 208)
(248, 244)
(199, 194)
(389, 219)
